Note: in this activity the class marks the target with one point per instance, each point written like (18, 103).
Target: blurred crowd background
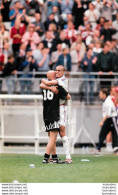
(38, 35)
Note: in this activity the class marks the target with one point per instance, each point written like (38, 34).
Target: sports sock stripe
(115, 124)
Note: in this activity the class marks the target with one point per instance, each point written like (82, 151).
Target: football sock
(54, 156)
(66, 147)
(46, 156)
(109, 146)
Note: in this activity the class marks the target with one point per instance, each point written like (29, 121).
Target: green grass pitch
(100, 169)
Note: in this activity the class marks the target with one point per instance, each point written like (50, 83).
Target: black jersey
(51, 105)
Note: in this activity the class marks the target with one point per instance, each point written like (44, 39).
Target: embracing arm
(68, 97)
(53, 89)
(49, 83)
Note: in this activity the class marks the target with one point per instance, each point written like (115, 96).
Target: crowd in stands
(41, 34)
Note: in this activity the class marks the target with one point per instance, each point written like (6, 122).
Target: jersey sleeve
(62, 92)
(108, 111)
(109, 108)
(63, 82)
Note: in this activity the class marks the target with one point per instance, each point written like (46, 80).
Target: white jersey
(63, 81)
(108, 108)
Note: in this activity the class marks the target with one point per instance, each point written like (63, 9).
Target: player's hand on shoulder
(54, 89)
(68, 96)
(101, 124)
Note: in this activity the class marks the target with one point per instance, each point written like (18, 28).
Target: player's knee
(62, 132)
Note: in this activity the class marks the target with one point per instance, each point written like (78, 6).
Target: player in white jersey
(109, 136)
(109, 122)
(62, 80)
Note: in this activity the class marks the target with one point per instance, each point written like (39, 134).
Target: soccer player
(109, 136)
(62, 81)
(51, 96)
(109, 122)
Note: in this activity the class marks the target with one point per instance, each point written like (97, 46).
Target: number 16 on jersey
(48, 95)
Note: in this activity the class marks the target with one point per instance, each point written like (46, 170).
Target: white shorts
(63, 115)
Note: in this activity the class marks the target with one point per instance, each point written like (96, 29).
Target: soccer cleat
(68, 161)
(56, 160)
(96, 151)
(116, 154)
(109, 149)
(46, 161)
(115, 150)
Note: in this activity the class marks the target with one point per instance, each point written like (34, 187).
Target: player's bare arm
(43, 86)
(68, 97)
(102, 122)
(49, 83)
(53, 89)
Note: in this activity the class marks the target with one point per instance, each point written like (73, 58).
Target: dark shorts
(51, 126)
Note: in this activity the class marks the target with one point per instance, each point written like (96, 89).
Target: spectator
(38, 24)
(114, 50)
(16, 11)
(97, 47)
(107, 8)
(42, 58)
(35, 5)
(79, 40)
(76, 56)
(55, 55)
(49, 41)
(114, 44)
(20, 57)
(100, 24)
(115, 26)
(51, 4)
(37, 53)
(93, 39)
(98, 5)
(2, 57)
(96, 36)
(107, 31)
(65, 58)
(66, 6)
(109, 43)
(55, 10)
(31, 37)
(105, 63)
(86, 32)
(78, 12)
(53, 29)
(4, 35)
(27, 67)
(17, 31)
(24, 18)
(85, 4)
(92, 15)
(9, 72)
(88, 64)
(71, 33)
(22, 4)
(62, 39)
(64, 20)
(50, 20)
(44, 62)
(5, 10)
(7, 51)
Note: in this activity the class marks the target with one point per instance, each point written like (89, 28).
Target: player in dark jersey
(51, 97)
